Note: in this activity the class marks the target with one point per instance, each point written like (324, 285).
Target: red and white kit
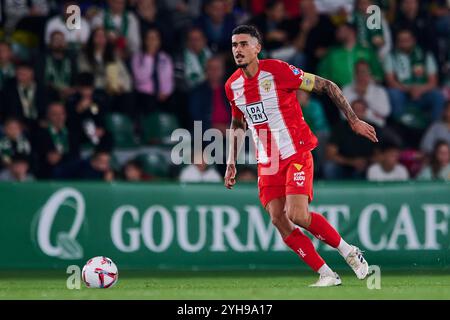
(269, 104)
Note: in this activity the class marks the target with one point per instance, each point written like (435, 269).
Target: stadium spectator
(193, 61)
(56, 144)
(364, 87)
(150, 16)
(388, 168)
(217, 25)
(133, 172)
(412, 17)
(15, 11)
(97, 167)
(13, 142)
(411, 75)
(58, 68)
(439, 167)
(153, 73)
(315, 34)
(348, 155)
(75, 37)
(439, 130)
(199, 170)
(207, 102)
(24, 97)
(17, 170)
(379, 38)
(121, 25)
(95, 56)
(110, 72)
(86, 110)
(338, 65)
(7, 68)
(275, 27)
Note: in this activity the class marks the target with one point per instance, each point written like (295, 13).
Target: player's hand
(230, 176)
(364, 129)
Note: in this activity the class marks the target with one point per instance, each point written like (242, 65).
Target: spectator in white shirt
(388, 167)
(74, 37)
(364, 87)
(199, 171)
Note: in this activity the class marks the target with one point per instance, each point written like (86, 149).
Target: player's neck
(252, 69)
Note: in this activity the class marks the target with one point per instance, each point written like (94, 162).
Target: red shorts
(294, 176)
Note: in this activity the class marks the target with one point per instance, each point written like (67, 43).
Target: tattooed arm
(320, 85)
(236, 138)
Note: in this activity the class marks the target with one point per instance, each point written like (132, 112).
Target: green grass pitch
(225, 285)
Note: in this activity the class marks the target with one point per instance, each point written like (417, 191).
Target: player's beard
(242, 65)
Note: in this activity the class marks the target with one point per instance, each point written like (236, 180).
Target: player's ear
(258, 48)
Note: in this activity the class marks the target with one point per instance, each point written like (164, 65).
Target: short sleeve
(431, 65)
(389, 64)
(291, 76)
(235, 112)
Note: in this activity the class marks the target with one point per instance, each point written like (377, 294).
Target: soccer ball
(100, 272)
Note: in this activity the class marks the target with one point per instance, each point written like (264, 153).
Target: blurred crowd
(99, 101)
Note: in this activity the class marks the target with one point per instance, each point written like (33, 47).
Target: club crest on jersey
(266, 85)
(256, 113)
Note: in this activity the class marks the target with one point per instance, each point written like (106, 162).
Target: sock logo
(301, 252)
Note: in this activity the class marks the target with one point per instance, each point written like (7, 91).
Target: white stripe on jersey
(237, 86)
(280, 131)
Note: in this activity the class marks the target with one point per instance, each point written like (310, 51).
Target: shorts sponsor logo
(256, 113)
(299, 177)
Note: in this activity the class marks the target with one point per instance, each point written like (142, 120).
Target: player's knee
(277, 218)
(299, 215)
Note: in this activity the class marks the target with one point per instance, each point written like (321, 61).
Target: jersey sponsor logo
(256, 113)
(298, 166)
(266, 85)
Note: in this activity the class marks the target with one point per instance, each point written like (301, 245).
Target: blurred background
(100, 102)
(84, 112)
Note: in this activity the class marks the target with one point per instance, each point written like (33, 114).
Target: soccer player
(262, 93)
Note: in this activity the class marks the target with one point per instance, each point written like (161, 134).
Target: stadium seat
(157, 128)
(122, 130)
(415, 118)
(155, 164)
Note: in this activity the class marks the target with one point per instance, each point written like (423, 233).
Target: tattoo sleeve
(328, 87)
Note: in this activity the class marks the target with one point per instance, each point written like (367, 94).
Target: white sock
(325, 270)
(344, 248)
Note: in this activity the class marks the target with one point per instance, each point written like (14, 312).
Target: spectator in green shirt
(412, 77)
(339, 64)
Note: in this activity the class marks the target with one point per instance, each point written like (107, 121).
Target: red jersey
(269, 104)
